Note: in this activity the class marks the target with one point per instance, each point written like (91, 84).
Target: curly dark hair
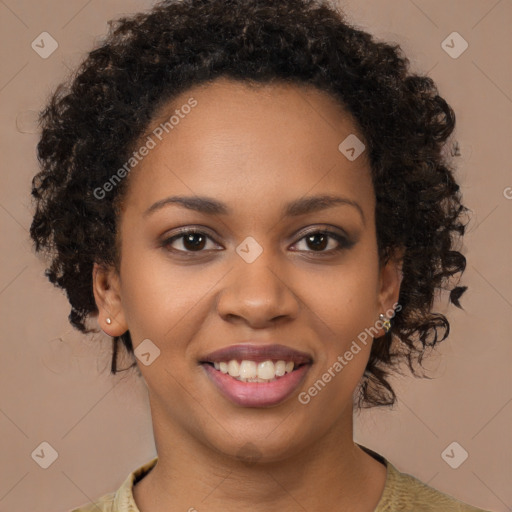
(91, 125)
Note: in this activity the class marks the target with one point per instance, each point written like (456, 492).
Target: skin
(255, 149)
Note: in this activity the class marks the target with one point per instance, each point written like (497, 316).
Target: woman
(254, 199)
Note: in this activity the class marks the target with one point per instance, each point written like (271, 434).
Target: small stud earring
(386, 324)
(108, 321)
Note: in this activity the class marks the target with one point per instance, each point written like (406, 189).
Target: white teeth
(266, 370)
(280, 368)
(233, 368)
(250, 371)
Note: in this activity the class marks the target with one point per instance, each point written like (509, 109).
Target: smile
(256, 376)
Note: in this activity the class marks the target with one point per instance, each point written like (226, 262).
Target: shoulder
(122, 499)
(404, 492)
(103, 504)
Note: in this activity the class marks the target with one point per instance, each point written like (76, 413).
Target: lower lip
(257, 394)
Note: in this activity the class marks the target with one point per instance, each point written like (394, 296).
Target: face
(257, 271)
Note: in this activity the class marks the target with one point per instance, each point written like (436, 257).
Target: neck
(333, 474)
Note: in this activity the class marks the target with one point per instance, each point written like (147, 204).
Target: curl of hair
(91, 124)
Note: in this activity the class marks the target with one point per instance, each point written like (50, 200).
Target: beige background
(54, 382)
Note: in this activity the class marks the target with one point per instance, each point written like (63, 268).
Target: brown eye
(324, 241)
(187, 241)
(317, 241)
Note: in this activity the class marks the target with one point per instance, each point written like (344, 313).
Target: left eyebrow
(295, 208)
(312, 204)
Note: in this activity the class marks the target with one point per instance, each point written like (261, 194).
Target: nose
(258, 293)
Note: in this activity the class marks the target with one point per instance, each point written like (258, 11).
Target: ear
(106, 288)
(389, 283)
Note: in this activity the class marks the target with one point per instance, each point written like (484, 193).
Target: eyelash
(343, 242)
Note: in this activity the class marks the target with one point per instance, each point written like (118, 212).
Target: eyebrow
(295, 208)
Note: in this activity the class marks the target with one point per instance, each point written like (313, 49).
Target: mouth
(256, 375)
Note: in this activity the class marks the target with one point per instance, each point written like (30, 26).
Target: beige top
(402, 493)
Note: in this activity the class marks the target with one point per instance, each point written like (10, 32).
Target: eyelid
(322, 228)
(185, 230)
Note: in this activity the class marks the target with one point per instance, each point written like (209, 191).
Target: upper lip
(257, 353)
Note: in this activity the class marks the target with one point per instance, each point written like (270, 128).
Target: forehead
(242, 141)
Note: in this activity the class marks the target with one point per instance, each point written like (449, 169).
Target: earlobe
(106, 289)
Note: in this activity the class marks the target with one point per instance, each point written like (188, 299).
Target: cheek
(158, 297)
(347, 308)
(346, 298)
